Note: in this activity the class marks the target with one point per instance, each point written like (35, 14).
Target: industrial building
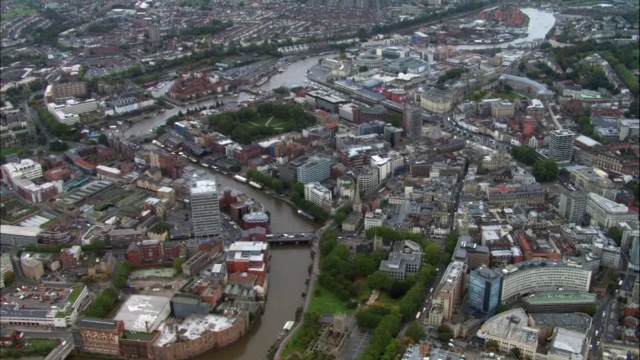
(143, 313)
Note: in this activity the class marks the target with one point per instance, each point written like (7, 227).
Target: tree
(615, 233)
(102, 139)
(515, 352)
(432, 254)
(364, 265)
(491, 345)
(545, 170)
(58, 146)
(415, 332)
(363, 68)
(525, 155)
(177, 264)
(380, 281)
(9, 278)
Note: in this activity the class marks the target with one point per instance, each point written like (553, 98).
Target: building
(314, 169)
(512, 194)
(154, 34)
(559, 302)
(98, 336)
(568, 345)
(12, 314)
(317, 194)
(533, 276)
(412, 121)
(250, 257)
(607, 213)
(25, 169)
(69, 90)
(70, 257)
(143, 313)
(450, 289)
(484, 289)
(373, 219)
(31, 267)
(205, 209)
(561, 146)
(405, 259)
(634, 255)
(573, 206)
(182, 305)
(151, 253)
(16, 237)
(502, 109)
(436, 100)
(196, 263)
(6, 266)
(121, 238)
(510, 330)
(69, 112)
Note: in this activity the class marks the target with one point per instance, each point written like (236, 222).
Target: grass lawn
(385, 300)
(33, 347)
(7, 152)
(13, 14)
(506, 96)
(327, 303)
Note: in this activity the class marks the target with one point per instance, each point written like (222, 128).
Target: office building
(572, 206)
(607, 213)
(561, 146)
(484, 289)
(412, 121)
(510, 330)
(5, 267)
(634, 255)
(25, 169)
(317, 194)
(405, 259)
(31, 267)
(559, 302)
(314, 169)
(533, 276)
(450, 289)
(15, 237)
(205, 209)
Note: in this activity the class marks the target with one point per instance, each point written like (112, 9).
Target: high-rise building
(450, 290)
(154, 34)
(484, 289)
(572, 206)
(315, 169)
(634, 255)
(412, 121)
(205, 208)
(561, 146)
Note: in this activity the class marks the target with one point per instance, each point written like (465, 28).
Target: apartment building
(317, 194)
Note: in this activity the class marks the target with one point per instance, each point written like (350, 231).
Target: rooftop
(194, 326)
(97, 324)
(560, 297)
(511, 326)
(143, 312)
(203, 186)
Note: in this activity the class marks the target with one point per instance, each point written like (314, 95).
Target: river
(540, 22)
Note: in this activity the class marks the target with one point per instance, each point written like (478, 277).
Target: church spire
(357, 203)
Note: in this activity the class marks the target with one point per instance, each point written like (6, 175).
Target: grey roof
(13, 310)
(97, 324)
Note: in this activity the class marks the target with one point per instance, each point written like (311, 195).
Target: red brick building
(137, 346)
(248, 257)
(151, 253)
(99, 336)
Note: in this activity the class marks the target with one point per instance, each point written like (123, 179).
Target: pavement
(358, 342)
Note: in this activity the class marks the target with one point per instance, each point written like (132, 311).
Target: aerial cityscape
(319, 179)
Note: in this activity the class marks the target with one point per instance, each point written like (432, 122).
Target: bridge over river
(291, 238)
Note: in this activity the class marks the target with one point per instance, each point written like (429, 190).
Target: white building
(383, 165)
(561, 145)
(205, 209)
(607, 213)
(25, 169)
(69, 112)
(373, 219)
(510, 330)
(317, 194)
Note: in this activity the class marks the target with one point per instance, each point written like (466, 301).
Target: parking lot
(358, 342)
(38, 297)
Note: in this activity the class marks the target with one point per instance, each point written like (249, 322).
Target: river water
(289, 265)
(540, 22)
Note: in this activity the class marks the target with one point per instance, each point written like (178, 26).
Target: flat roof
(20, 230)
(97, 324)
(194, 326)
(512, 326)
(560, 297)
(143, 312)
(203, 186)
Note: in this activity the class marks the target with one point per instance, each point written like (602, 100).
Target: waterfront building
(205, 209)
(143, 313)
(561, 146)
(98, 336)
(484, 289)
(317, 194)
(314, 169)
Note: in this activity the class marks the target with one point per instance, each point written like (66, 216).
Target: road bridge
(290, 238)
